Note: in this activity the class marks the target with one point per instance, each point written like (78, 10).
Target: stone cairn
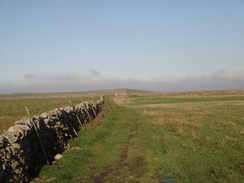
(35, 141)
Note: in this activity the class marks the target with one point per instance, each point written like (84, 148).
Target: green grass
(199, 139)
(187, 138)
(99, 156)
(135, 91)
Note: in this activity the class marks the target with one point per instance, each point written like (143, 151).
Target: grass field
(167, 137)
(176, 137)
(12, 106)
(200, 137)
(13, 109)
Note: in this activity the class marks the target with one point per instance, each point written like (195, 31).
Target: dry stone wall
(33, 142)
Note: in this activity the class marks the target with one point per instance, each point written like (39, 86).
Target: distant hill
(115, 92)
(121, 91)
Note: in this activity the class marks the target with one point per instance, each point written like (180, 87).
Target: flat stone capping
(31, 143)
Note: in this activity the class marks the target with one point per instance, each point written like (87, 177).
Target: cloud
(223, 79)
(95, 72)
(59, 78)
(230, 74)
(29, 76)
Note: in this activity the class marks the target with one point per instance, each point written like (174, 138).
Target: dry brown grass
(187, 105)
(238, 92)
(171, 121)
(6, 122)
(231, 125)
(122, 100)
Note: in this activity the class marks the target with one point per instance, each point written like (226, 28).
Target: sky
(157, 45)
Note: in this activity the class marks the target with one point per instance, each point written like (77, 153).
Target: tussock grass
(233, 126)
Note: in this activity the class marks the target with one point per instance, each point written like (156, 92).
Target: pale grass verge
(171, 121)
(231, 125)
(191, 105)
(121, 100)
(231, 139)
(6, 122)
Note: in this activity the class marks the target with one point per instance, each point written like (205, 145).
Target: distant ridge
(116, 92)
(108, 92)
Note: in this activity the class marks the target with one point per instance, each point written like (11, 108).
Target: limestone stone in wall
(24, 147)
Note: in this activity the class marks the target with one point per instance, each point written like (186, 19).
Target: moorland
(149, 137)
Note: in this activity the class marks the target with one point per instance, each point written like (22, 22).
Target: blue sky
(159, 45)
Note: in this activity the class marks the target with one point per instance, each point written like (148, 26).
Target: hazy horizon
(170, 45)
